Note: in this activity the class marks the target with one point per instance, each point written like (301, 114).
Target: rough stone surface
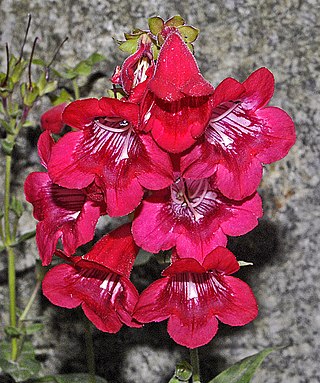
(236, 38)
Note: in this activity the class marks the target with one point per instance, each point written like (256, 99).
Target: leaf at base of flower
(243, 371)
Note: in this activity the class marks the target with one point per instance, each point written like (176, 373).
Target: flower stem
(194, 359)
(11, 258)
(76, 89)
(30, 303)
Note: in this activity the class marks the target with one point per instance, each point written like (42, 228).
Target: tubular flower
(193, 216)
(136, 70)
(194, 295)
(108, 150)
(69, 214)
(241, 135)
(176, 108)
(51, 120)
(99, 282)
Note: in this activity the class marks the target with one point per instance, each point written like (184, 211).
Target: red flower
(98, 282)
(241, 135)
(69, 214)
(176, 109)
(107, 149)
(136, 69)
(193, 296)
(193, 216)
(51, 120)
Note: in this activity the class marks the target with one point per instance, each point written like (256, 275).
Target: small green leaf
(175, 21)
(7, 145)
(8, 126)
(24, 237)
(16, 207)
(24, 368)
(12, 332)
(129, 46)
(39, 62)
(28, 124)
(156, 25)
(189, 33)
(243, 371)
(33, 328)
(18, 71)
(64, 96)
(30, 95)
(95, 58)
(83, 68)
(51, 86)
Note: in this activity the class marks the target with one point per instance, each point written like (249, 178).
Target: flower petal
(81, 112)
(238, 305)
(194, 332)
(151, 306)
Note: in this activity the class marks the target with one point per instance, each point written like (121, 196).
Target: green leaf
(129, 46)
(51, 86)
(243, 371)
(24, 237)
(8, 145)
(175, 21)
(12, 332)
(83, 68)
(8, 126)
(189, 33)
(35, 327)
(156, 25)
(95, 58)
(24, 368)
(18, 71)
(64, 96)
(39, 62)
(16, 207)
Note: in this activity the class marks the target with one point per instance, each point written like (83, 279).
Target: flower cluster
(187, 160)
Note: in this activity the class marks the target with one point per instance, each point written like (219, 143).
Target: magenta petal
(51, 120)
(47, 237)
(238, 176)
(259, 89)
(177, 73)
(64, 162)
(157, 233)
(154, 170)
(183, 265)
(222, 260)
(280, 133)
(151, 306)
(45, 145)
(197, 244)
(116, 251)
(81, 112)
(194, 332)
(244, 217)
(100, 294)
(228, 89)
(239, 306)
(55, 284)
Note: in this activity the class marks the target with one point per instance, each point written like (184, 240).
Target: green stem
(90, 351)
(76, 89)
(30, 303)
(11, 257)
(194, 359)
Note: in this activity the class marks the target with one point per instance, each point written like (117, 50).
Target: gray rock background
(236, 38)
